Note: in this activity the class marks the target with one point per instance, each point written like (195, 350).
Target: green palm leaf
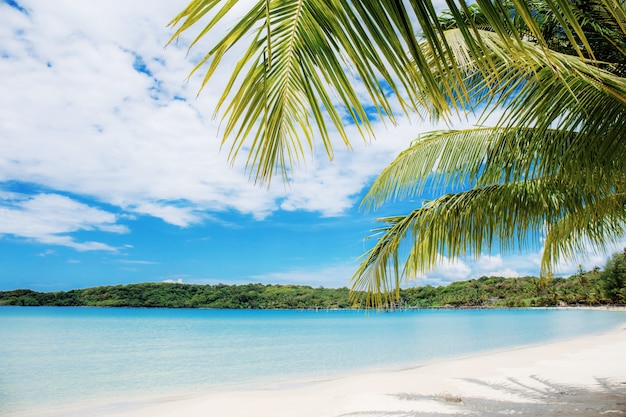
(486, 156)
(293, 78)
(507, 217)
(599, 225)
(436, 159)
(295, 71)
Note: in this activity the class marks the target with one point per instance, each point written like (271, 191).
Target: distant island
(596, 287)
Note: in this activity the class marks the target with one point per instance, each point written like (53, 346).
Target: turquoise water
(58, 356)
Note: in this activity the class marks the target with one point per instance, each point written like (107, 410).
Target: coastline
(582, 376)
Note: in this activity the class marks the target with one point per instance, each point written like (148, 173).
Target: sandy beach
(585, 376)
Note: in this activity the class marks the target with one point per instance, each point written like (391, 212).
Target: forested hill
(594, 288)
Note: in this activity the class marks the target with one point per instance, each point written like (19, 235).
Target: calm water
(51, 357)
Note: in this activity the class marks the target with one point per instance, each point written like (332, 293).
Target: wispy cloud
(50, 218)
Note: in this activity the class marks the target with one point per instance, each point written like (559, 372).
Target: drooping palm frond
(436, 159)
(598, 226)
(492, 155)
(505, 217)
(565, 120)
(292, 80)
(296, 70)
(539, 88)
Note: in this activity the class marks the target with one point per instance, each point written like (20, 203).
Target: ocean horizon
(57, 357)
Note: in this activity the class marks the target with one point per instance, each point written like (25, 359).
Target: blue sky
(111, 170)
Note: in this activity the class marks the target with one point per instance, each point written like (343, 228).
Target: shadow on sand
(535, 397)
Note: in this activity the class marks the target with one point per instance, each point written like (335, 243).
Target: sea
(52, 358)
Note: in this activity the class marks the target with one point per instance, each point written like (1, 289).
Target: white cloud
(49, 218)
(507, 266)
(449, 270)
(171, 281)
(96, 106)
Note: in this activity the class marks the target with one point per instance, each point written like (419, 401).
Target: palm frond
(505, 217)
(560, 95)
(288, 83)
(492, 155)
(293, 79)
(437, 158)
(596, 227)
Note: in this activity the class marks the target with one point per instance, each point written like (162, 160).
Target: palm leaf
(438, 158)
(507, 217)
(560, 97)
(486, 156)
(596, 227)
(293, 79)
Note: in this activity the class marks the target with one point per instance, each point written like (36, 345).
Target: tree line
(595, 287)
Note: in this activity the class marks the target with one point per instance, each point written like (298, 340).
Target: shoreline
(581, 376)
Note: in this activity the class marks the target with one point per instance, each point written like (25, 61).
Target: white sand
(585, 376)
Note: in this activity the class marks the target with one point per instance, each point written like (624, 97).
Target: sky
(111, 170)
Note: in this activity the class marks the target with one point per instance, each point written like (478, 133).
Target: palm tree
(553, 164)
